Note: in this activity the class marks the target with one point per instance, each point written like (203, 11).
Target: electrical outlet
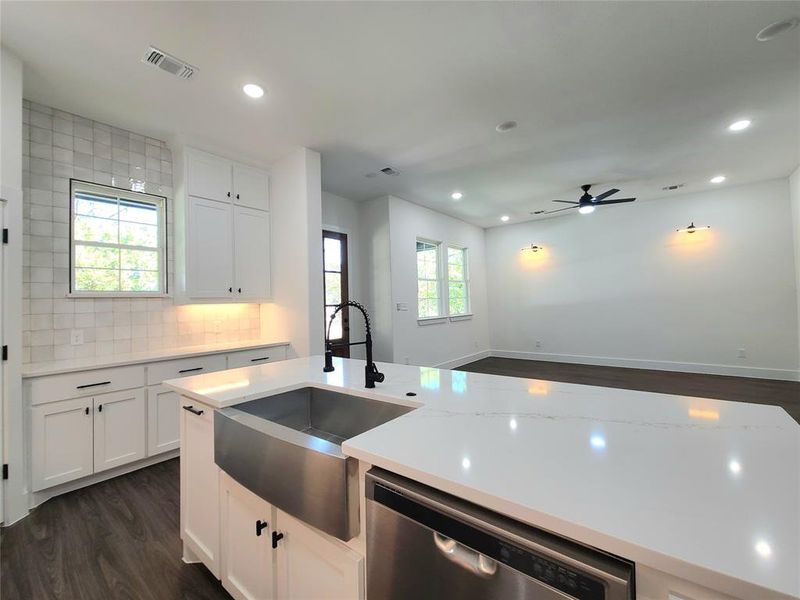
(76, 337)
(538, 343)
(217, 326)
(742, 353)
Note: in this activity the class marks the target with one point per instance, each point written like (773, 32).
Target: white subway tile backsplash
(57, 146)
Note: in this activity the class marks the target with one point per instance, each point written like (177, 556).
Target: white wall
(794, 194)
(622, 287)
(377, 269)
(296, 213)
(14, 495)
(342, 215)
(447, 343)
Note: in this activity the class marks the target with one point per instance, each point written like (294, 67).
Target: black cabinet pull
(240, 290)
(276, 537)
(260, 525)
(237, 196)
(258, 359)
(190, 370)
(230, 289)
(87, 410)
(88, 385)
(100, 408)
(229, 194)
(192, 409)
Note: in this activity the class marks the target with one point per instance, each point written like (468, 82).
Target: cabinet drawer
(172, 369)
(85, 383)
(259, 356)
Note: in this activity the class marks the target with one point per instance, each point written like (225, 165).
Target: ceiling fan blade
(618, 201)
(606, 194)
(550, 212)
(565, 201)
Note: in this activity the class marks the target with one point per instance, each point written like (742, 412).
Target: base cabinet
(199, 484)
(313, 567)
(119, 426)
(163, 420)
(247, 559)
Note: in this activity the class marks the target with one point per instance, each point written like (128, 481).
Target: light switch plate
(402, 306)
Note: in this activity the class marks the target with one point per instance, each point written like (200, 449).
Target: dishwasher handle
(467, 558)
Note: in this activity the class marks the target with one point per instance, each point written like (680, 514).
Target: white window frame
(160, 202)
(442, 315)
(446, 277)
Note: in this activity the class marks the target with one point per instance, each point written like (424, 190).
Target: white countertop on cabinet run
(132, 358)
(705, 490)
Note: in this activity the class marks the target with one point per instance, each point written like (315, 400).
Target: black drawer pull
(276, 537)
(258, 359)
(88, 385)
(192, 409)
(190, 370)
(260, 525)
(87, 410)
(100, 408)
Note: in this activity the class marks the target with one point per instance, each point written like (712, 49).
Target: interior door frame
(341, 347)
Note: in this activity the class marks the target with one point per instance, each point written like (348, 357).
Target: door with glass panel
(334, 264)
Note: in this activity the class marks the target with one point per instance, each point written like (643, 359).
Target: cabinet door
(199, 484)
(163, 420)
(209, 249)
(119, 428)
(245, 542)
(312, 566)
(208, 176)
(251, 255)
(251, 187)
(61, 442)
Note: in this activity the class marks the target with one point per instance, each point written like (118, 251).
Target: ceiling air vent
(170, 64)
(389, 171)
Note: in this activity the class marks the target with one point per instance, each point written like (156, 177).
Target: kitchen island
(703, 495)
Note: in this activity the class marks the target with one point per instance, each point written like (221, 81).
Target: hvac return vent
(170, 64)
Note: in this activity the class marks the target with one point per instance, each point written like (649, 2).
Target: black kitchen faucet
(371, 373)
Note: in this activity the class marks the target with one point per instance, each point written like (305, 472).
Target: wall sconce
(532, 248)
(692, 228)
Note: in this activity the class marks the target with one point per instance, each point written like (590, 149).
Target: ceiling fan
(587, 203)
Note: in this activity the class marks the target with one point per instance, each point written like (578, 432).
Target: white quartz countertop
(132, 358)
(705, 490)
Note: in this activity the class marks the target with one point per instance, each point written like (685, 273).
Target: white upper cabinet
(250, 187)
(209, 247)
(208, 176)
(222, 248)
(250, 244)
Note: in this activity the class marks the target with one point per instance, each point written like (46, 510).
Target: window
(117, 242)
(428, 296)
(334, 272)
(457, 281)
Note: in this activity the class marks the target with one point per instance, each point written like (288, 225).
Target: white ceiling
(635, 95)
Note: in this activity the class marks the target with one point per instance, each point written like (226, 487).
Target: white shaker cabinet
(208, 176)
(209, 247)
(200, 518)
(163, 420)
(61, 442)
(250, 187)
(312, 566)
(119, 428)
(251, 244)
(246, 542)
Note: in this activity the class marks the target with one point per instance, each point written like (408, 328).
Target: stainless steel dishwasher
(423, 543)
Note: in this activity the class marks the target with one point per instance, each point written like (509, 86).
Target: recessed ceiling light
(763, 548)
(504, 218)
(739, 125)
(456, 195)
(506, 126)
(773, 30)
(253, 90)
(717, 179)
(586, 209)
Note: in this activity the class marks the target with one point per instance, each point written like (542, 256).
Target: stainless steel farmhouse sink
(287, 449)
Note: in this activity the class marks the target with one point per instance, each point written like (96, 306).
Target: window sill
(431, 320)
(74, 295)
(464, 317)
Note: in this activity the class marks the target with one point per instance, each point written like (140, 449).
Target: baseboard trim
(659, 365)
(463, 360)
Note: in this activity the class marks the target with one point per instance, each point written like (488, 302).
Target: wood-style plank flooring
(739, 389)
(115, 540)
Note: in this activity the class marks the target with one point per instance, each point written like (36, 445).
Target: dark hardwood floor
(114, 540)
(739, 389)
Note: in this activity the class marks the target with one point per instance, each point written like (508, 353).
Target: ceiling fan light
(586, 209)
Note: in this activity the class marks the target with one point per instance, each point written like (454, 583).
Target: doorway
(334, 266)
